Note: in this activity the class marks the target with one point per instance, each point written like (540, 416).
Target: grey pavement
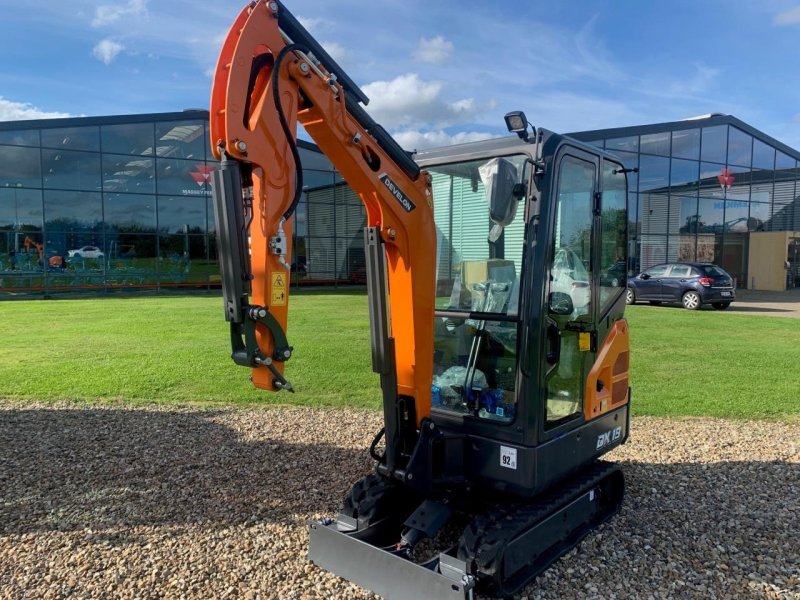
(773, 304)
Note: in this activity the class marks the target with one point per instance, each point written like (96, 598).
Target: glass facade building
(104, 204)
(703, 186)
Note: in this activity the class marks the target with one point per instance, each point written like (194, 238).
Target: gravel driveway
(171, 503)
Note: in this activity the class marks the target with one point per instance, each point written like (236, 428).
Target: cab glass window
(613, 235)
(480, 227)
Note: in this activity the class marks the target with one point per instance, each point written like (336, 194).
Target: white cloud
(313, 24)
(18, 111)
(111, 13)
(409, 101)
(419, 140)
(436, 50)
(790, 17)
(106, 51)
(338, 52)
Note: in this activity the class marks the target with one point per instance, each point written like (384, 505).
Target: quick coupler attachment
(245, 350)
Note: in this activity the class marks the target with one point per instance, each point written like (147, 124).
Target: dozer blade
(512, 543)
(384, 572)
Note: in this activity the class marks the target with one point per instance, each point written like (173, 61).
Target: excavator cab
(530, 378)
(501, 346)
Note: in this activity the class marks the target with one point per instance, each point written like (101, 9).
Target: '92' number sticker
(508, 457)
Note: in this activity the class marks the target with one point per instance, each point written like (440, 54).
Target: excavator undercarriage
(503, 546)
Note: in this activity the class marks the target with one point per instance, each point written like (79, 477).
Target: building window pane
(321, 257)
(688, 216)
(784, 161)
(20, 167)
(714, 144)
(740, 148)
(655, 143)
(131, 259)
(128, 174)
(763, 155)
(736, 215)
(684, 247)
(714, 178)
(20, 210)
(684, 175)
(68, 170)
(738, 183)
(761, 185)
(711, 215)
(686, 144)
(72, 138)
(655, 213)
(681, 248)
(709, 248)
(183, 177)
(128, 138)
(781, 218)
(130, 213)
(73, 212)
(181, 139)
(181, 214)
(626, 144)
(300, 217)
(313, 180)
(653, 251)
(25, 137)
(759, 217)
(653, 173)
(785, 185)
(178, 250)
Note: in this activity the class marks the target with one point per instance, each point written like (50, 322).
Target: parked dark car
(691, 284)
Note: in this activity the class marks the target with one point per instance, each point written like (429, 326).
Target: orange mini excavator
(496, 329)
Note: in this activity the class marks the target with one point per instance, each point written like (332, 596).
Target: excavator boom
(272, 75)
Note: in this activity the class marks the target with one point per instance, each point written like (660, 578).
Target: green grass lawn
(175, 350)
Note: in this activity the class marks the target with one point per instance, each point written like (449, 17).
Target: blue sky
(436, 71)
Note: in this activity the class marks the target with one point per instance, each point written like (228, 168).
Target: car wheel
(721, 305)
(630, 297)
(691, 300)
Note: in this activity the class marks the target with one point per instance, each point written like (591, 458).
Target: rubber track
(370, 498)
(484, 540)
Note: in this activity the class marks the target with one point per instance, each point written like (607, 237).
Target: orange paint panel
(610, 368)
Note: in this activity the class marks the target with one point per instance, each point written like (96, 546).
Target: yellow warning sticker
(584, 341)
(278, 293)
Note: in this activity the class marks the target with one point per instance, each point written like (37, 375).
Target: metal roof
(693, 123)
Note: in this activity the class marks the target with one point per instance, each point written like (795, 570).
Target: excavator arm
(272, 75)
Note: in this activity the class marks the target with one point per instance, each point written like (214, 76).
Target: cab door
(569, 307)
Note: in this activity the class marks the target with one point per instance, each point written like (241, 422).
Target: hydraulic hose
(298, 188)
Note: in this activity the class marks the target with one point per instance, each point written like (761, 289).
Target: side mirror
(560, 303)
(499, 177)
(644, 276)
